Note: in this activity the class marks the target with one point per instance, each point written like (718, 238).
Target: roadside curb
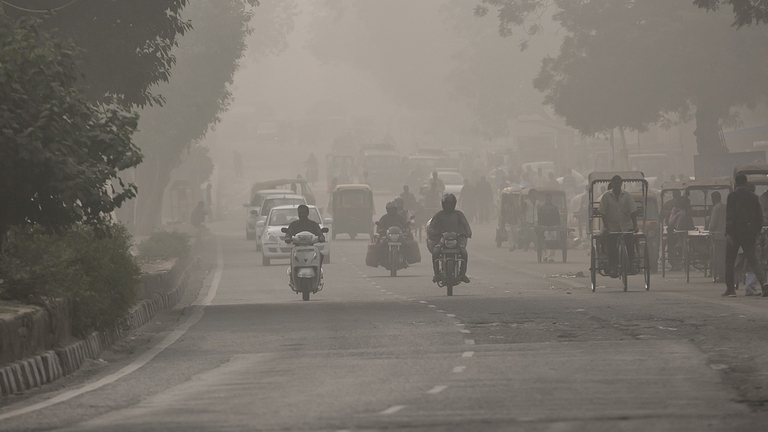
(45, 368)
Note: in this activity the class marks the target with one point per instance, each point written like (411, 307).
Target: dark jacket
(300, 225)
(452, 221)
(390, 220)
(743, 215)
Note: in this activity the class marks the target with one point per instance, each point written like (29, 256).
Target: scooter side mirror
(324, 230)
(284, 230)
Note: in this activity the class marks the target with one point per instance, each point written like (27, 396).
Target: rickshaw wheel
(647, 270)
(592, 269)
(624, 266)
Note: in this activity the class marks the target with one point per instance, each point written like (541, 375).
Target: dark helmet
(391, 207)
(449, 202)
(399, 203)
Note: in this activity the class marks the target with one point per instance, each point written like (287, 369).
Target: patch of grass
(164, 245)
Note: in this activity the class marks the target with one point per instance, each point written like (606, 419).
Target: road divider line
(392, 410)
(468, 354)
(459, 369)
(431, 306)
(450, 315)
(422, 302)
(437, 389)
(143, 359)
(464, 331)
(469, 341)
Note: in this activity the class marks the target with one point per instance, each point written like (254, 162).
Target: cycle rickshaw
(509, 217)
(670, 192)
(599, 238)
(697, 245)
(757, 174)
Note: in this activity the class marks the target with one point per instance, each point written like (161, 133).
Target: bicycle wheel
(624, 260)
(663, 256)
(686, 260)
(593, 269)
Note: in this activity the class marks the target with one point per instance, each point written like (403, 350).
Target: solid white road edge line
(437, 389)
(142, 359)
(392, 410)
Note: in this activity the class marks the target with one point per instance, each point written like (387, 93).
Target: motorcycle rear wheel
(449, 272)
(393, 261)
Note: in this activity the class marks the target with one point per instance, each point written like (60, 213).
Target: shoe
(436, 279)
(765, 290)
(465, 279)
(729, 293)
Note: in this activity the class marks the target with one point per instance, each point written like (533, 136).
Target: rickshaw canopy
(670, 186)
(751, 169)
(626, 176)
(708, 184)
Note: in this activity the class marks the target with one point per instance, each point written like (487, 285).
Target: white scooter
(305, 275)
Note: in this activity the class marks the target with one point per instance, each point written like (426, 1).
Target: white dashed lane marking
(392, 410)
(459, 369)
(468, 354)
(464, 331)
(450, 315)
(437, 389)
(469, 341)
(422, 302)
(431, 305)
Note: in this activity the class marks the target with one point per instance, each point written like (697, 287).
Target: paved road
(513, 350)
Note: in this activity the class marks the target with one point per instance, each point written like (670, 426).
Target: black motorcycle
(450, 262)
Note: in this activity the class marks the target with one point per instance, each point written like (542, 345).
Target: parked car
(274, 247)
(270, 202)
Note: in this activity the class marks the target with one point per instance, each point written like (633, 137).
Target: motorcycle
(305, 275)
(394, 236)
(450, 262)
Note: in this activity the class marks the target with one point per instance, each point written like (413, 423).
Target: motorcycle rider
(304, 223)
(391, 218)
(449, 220)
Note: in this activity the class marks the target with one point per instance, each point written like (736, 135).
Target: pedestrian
(549, 217)
(409, 200)
(468, 200)
(552, 183)
(743, 223)
(484, 199)
(208, 198)
(530, 216)
(717, 234)
(619, 215)
(198, 215)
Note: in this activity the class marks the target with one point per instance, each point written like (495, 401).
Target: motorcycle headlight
(394, 237)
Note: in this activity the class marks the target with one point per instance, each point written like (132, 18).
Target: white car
(273, 246)
(453, 181)
(270, 202)
(254, 210)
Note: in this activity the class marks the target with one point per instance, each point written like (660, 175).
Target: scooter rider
(449, 220)
(391, 218)
(304, 223)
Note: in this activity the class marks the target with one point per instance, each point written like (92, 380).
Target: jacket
(390, 220)
(743, 215)
(300, 225)
(452, 221)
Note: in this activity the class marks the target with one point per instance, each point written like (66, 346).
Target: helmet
(449, 202)
(399, 203)
(391, 207)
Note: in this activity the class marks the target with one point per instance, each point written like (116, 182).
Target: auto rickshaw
(653, 232)
(509, 218)
(353, 209)
(669, 193)
(599, 238)
(554, 237)
(697, 251)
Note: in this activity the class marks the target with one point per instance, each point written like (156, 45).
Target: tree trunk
(708, 139)
(153, 177)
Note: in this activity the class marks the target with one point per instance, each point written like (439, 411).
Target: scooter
(305, 275)
(449, 262)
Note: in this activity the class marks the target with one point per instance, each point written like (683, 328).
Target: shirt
(531, 212)
(617, 213)
(300, 225)
(743, 215)
(717, 218)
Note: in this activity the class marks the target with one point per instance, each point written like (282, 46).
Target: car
(271, 201)
(272, 239)
(254, 209)
(453, 181)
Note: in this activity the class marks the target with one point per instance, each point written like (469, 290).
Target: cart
(698, 246)
(559, 238)
(599, 238)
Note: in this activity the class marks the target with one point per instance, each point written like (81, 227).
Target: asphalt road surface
(525, 346)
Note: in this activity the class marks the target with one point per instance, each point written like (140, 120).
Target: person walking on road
(468, 200)
(549, 217)
(409, 199)
(484, 199)
(619, 214)
(743, 223)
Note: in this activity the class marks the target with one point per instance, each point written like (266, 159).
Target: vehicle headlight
(271, 238)
(394, 237)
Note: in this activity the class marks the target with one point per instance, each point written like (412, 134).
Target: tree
(628, 64)
(58, 151)
(199, 90)
(127, 43)
(747, 12)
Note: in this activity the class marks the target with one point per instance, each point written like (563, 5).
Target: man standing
(409, 200)
(484, 199)
(743, 223)
(717, 233)
(549, 216)
(619, 214)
